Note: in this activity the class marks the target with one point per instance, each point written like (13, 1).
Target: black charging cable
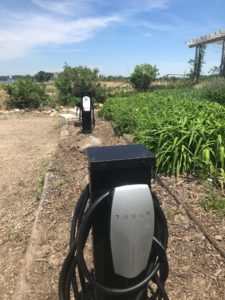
(74, 266)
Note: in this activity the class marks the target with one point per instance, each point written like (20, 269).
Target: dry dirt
(197, 271)
(26, 146)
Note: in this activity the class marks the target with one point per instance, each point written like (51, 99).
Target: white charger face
(86, 103)
(131, 229)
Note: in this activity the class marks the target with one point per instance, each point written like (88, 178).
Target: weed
(15, 236)
(214, 203)
(40, 188)
(59, 184)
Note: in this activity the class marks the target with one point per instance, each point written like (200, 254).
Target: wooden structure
(216, 38)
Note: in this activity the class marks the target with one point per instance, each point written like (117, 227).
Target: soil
(197, 271)
(27, 143)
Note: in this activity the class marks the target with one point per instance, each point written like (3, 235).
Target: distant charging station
(87, 113)
(129, 230)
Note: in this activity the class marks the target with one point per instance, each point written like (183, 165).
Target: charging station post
(111, 167)
(87, 112)
(129, 229)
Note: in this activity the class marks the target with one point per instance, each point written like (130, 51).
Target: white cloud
(159, 26)
(133, 7)
(67, 22)
(30, 31)
(80, 7)
(65, 7)
(56, 6)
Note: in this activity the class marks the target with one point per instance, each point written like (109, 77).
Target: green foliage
(214, 203)
(195, 69)
(25, 93)
(186, 134)
(40, 188)
(74, 80)
(213, 90)
(142, 76)
(43, 76)
(215, 70)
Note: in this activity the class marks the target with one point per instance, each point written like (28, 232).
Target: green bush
(142, 76)
(25, 93)
(215, 203)
(74, 80)
(213, 90)
(186, 134)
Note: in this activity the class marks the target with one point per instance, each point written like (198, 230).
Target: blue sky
(113, 35)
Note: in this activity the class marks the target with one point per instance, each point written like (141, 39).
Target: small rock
(218, 237)
(17, 110)
(89, 141)
(53, 114)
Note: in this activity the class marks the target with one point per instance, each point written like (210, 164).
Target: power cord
(74, 266)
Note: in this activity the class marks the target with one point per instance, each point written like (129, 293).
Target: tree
(214, 70)
(74, 80)
(142, 76)
(43, 76)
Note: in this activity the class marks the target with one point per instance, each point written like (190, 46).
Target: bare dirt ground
(26, 145)
(197, 271)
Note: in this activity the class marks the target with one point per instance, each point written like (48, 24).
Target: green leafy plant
(196, 68)
(214, 203)
(40, 188)
(43, 76)
(186, 134)
(213, 90)
(142, 76)
(25, 93)
(74, 80)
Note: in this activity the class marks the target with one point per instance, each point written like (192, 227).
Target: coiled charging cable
(75, 266)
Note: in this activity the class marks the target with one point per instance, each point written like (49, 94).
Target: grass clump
(40, 188)
(213, 90)
(214, 203)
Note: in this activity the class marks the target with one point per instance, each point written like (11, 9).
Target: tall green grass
(186, 134)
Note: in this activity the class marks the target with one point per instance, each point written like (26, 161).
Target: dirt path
(26, 145)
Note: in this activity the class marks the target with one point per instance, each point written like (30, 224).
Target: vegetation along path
(26, 145)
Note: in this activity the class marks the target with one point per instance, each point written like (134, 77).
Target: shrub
(25, 93)
(215, 203)
(142, 76)
(213, 90)
(43, 76)
(74, 80)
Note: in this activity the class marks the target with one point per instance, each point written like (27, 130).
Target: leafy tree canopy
(143, 75)
(74, 80)
(43, 76)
